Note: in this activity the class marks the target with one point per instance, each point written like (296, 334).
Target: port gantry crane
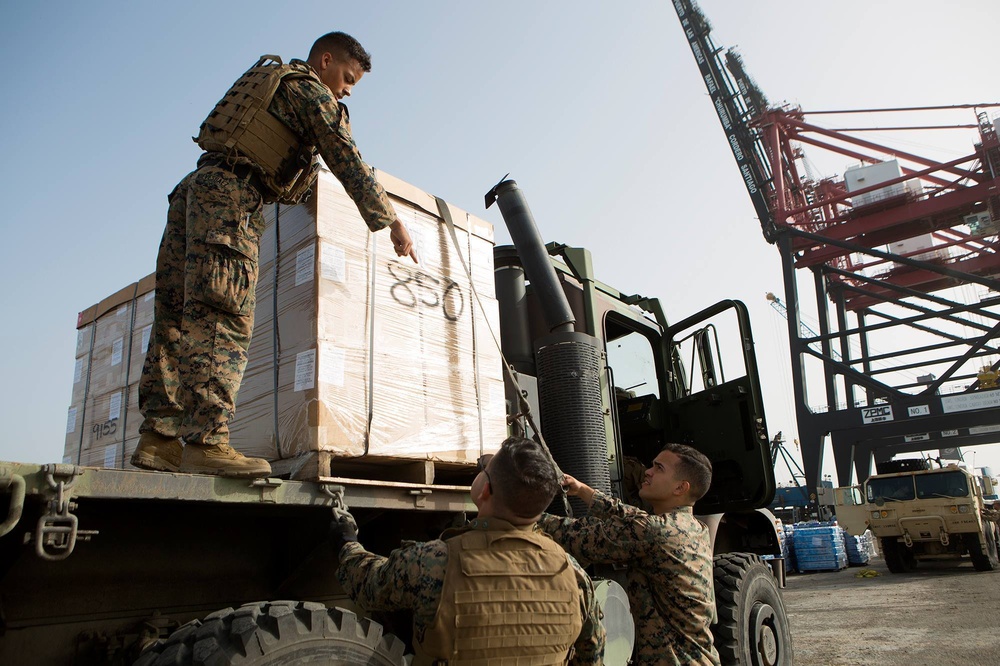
(894, 248)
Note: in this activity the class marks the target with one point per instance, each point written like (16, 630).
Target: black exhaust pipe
(568, 363)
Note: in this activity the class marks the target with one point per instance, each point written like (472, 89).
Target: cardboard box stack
(362, 362)
(102, 425)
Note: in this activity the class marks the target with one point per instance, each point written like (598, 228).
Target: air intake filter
(571, 410)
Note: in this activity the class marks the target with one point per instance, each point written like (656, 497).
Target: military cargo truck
(919, 513)
(97, 565)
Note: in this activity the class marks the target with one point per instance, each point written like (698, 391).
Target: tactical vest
(241, 126)
(509, 597)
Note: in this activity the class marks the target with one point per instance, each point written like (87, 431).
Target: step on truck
(920, 513)
(119, 566)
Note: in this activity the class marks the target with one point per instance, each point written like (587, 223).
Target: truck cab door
(713, 402)
(851, 510)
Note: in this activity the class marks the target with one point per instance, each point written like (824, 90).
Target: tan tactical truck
(924, 514)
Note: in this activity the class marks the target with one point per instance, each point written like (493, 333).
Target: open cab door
(713, 402)
(851, 510)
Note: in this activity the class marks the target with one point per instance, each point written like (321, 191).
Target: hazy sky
(597, 109)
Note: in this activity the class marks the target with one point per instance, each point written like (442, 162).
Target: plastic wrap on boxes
(372, 355)
(355, 351)
(103, 415)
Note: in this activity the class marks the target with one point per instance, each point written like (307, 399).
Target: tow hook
(58, 529)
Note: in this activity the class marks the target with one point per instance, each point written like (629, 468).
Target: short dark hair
(694, 467)
(343, 45)
(524, 477)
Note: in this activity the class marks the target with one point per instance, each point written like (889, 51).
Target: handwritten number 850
(414, 285)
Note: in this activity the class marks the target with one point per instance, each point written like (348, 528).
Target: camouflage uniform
(206, 269)
(670, 582)
(412, 577)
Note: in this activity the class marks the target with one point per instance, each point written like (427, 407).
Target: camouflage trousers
(206, 277)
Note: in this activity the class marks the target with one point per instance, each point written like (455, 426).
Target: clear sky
(595, 108)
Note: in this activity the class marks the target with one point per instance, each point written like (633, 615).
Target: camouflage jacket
(412, 577)
(310, 110)
(670, 582)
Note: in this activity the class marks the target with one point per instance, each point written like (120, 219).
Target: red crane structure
(904, 259)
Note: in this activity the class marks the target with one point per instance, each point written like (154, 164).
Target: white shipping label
(147, 332)
(304, 260)
(331, 366)
(71, 420)
(116, 351)
(968, 401)
(495, 394)
(879, 414)
(305, 370)
(81, 335)
(116, 406)
(333, 263)
(110, 455)
(78, 371)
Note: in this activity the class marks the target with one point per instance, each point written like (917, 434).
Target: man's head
(340, 61)
(517, 483)
(679, 476)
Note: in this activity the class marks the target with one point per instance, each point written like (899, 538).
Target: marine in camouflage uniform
(502, 613)
(206, 269)
(668, 553)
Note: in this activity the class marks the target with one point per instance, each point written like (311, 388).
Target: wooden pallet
(318, 464)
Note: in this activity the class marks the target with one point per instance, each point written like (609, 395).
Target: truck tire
(277, 632)
(898, 558)
(752, 628)
(987, 561)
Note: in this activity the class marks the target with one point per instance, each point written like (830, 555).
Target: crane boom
(736, 101)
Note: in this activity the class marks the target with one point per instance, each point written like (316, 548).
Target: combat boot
(222, 460)
(157, 452)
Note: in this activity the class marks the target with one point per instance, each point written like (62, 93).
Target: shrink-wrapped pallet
(103, 419)
(373, 363)
(374, 359)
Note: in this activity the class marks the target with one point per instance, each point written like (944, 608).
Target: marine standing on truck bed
(260, 144)
(496, 587)
(669, 553)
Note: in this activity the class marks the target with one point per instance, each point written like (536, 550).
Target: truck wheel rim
(764, 634)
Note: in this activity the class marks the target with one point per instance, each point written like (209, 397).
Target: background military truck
(96, 564)
(922, 513)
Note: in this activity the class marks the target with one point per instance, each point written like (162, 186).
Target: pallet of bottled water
(788, 547)
(819, 547)
(857, 548)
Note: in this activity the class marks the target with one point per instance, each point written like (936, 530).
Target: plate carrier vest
(496, 581)
(241, 126)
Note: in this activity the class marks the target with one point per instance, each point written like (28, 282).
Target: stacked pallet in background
(102, 425)
(819, 547)
(858, 548)
(374, 367)
(788, 547)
